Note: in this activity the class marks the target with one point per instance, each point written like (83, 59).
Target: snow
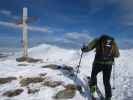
(60, 56)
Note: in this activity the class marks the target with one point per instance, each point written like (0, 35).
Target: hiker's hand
(84, 48)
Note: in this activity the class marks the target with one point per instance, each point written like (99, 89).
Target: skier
(106, 51)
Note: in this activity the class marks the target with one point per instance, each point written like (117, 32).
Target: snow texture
(54, 55)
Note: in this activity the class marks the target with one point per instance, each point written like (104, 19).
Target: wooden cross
(25, 32)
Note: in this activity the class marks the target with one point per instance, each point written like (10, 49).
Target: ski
(100, 95)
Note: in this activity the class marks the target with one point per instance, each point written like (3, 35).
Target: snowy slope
(55, 55)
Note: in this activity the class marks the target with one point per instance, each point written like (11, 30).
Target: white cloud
(77, 35)
(60, 39)
(8, 13)
(78, 38)
(39, 29)
(5, 12)
(31, 28)
(7, 24)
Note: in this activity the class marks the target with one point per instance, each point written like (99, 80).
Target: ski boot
(108, 98)
(93, 91)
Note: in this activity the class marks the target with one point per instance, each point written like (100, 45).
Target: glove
(84, 48)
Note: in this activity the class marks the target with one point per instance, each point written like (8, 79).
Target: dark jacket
(94, 44)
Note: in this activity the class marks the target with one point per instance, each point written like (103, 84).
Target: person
(106, 50)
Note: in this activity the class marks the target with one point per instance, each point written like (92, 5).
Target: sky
(67, 23)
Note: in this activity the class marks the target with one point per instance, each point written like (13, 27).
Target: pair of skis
(100, 95)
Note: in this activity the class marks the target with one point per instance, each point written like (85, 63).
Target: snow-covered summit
(54, 55)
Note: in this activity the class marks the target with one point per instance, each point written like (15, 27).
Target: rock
(70, 87)
(32, 91)
(52, 84)
(22, 64)
(7, 80)
(42, 74)
(3, 55)
(68, 68)
(64, 67)
(52, 66)
(13, 93)
(68, 93)
(27, 81)
(28, 59)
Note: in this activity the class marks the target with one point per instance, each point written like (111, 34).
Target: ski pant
(106, 70)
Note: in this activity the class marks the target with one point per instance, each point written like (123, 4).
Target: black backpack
(104, 48)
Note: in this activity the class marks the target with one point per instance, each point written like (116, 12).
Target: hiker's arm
(90, 46)
(116, 53)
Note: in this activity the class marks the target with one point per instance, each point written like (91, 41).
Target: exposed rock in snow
(7, 80)
(28, 59)
(13, 93)
(67, 93)
(29, 80)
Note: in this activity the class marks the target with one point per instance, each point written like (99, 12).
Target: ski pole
(113, 76)
(78, 65)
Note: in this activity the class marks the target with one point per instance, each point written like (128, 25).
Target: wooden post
(25, 39)
(25, 32)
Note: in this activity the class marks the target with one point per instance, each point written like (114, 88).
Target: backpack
(104, 48)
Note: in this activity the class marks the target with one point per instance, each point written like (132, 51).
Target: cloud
(7, 24)
(77, 35)
(8, 13)
(39, 29)
(78, 38)
(61, 40)
(67, 40)
(5, 12)
(55, 30)
(31, 28)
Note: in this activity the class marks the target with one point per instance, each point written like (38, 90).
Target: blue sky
(67, 22)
